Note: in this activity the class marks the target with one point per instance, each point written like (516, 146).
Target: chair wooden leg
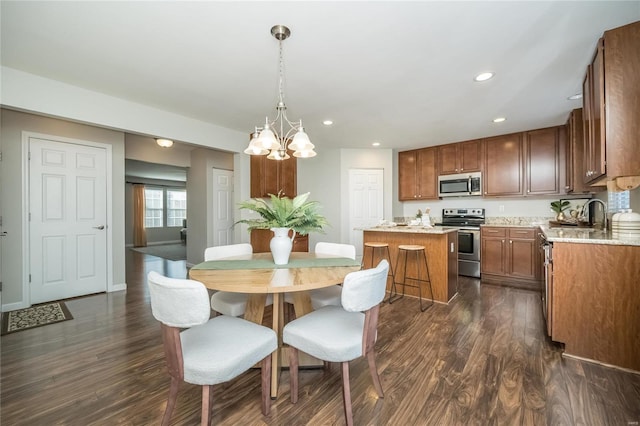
(266, 386)
(207, 405)
(293, 373)
(171, 401)
(346, 394)
(371, 357)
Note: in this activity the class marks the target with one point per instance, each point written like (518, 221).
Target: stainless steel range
(468, 222)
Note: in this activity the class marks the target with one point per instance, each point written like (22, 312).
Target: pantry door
(366, 202)
(222, 207)
(68, 219)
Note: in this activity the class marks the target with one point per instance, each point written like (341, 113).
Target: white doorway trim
(26, 298)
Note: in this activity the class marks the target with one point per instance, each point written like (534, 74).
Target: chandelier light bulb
(304, 154)
(300, 141)
(268, 139)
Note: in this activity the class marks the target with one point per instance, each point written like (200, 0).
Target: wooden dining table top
(256, 273)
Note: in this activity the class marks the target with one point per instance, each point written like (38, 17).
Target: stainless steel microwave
(460, 185)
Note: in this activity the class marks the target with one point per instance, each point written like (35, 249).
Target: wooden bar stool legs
(417, 250)
(384, 248)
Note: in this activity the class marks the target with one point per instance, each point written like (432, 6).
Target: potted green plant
(559, 207)
(281, 215)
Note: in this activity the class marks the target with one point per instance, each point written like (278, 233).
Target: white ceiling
(395, 72)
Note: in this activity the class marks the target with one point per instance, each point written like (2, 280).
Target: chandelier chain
(281, 74)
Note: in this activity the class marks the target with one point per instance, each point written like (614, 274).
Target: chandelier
(277, 136)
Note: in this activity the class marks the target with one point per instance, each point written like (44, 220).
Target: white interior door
(366, 202)
(68, 219)
(222, 207)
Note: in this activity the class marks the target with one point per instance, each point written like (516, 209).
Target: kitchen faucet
(585, 211)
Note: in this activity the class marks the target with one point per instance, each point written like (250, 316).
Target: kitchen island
(441, 246)
(593, 292)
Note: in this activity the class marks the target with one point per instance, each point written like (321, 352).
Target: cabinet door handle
(510, 242)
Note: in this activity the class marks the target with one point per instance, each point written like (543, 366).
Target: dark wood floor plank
(482, 360)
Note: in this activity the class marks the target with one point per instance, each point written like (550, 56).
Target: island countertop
(411, 229)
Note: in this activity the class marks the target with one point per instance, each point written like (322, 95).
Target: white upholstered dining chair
(208, 351)
(227, 302)
(328, 295)
(342, 333)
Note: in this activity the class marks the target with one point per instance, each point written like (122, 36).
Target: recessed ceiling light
(575, 97)
(499, 120)
(165, 143)
(376, 144)
(484, 76)
(327, 122)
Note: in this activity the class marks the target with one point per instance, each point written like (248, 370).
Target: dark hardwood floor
(484, 359)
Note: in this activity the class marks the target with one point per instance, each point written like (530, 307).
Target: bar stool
(383, 248)
(406, 248)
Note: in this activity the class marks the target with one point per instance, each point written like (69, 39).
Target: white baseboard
(117, 287)
(13, 306)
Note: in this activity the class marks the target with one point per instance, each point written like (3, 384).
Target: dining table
(257, 275)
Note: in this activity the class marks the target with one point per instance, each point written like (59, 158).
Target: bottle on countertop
(426, 219)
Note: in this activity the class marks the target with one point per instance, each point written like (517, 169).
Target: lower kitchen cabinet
(510, 256)
(596, 303)
(260, 239)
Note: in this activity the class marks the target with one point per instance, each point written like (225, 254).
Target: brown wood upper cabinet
(574, 155)
(503, 165)
(611, 102)
(417, 174)
(273, 176)
(544, 159)
(460, 157)
(523, 164)
(593, 128)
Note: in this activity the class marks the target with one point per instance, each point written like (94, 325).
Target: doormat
(35, 316)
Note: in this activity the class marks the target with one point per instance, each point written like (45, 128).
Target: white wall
(28, 92)
(200, 199)
(327, 178)
(144, 148)
(494, 207)
(11, 172)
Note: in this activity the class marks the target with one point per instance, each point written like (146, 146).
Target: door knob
(101, 227)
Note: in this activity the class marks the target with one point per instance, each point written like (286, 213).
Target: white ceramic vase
(281, 245)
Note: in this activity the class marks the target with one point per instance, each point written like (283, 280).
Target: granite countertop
(412, 229)
(587, 236)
